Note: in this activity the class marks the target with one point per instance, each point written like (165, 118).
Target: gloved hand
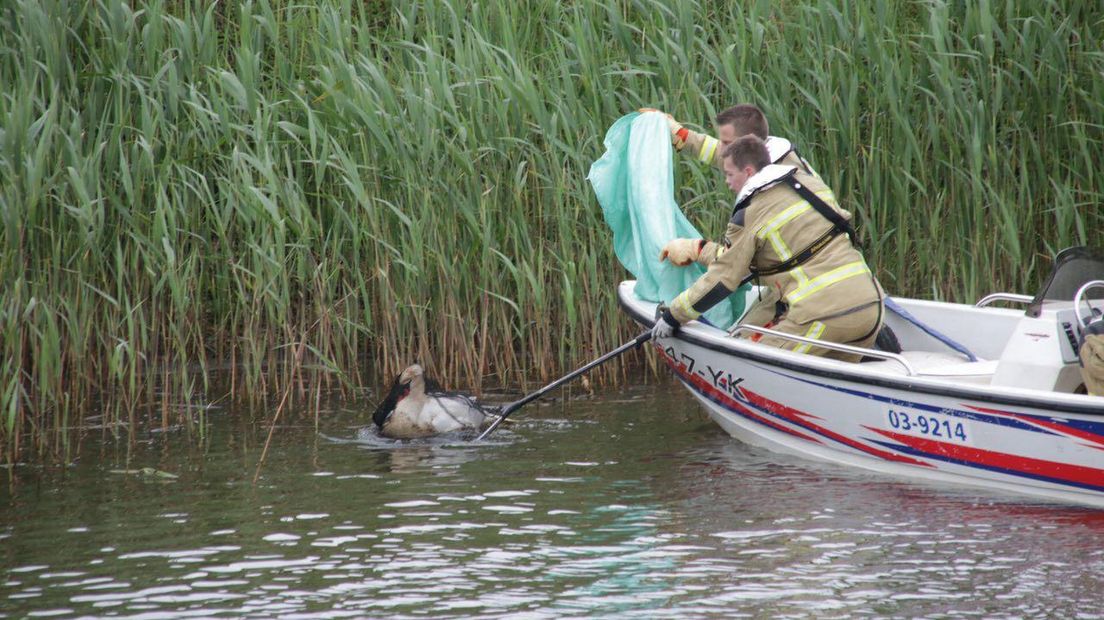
(682, 252)
(672, 124)
(665, 326)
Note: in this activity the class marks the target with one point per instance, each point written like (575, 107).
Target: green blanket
(634, 183)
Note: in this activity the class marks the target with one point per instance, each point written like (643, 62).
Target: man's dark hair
(748, 151)
(746, 119)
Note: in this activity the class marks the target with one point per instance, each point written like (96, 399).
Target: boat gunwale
(943, 388)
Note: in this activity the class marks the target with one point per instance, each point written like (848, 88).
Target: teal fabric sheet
(634, 183)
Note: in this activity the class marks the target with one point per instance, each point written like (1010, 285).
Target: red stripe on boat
(728, 401)
(1008, 462)
(1053, 426)
(800, 418)
(778, 408)
(788, 413)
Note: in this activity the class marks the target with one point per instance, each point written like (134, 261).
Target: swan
(416, 406)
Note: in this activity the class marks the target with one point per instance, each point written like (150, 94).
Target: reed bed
(271, 199)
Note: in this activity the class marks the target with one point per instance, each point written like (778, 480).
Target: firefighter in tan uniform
(787, 231)
(1092, 357)
(733, 123)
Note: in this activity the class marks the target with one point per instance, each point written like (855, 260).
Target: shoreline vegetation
(282, 195)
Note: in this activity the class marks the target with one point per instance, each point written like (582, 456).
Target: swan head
(410, 379)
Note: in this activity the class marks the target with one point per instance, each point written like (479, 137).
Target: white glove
(665, 326)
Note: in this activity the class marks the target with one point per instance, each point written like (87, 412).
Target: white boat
(1011, 419)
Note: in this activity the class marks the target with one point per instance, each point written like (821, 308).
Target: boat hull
(834, 412)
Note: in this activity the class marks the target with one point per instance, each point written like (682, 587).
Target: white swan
(409, 411)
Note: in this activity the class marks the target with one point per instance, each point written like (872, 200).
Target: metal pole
(514, 406)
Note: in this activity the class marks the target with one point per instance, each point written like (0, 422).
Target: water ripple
(639, 511)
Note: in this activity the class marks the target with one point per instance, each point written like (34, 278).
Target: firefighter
(1092, 357)
(735, 122)
(740, 120)
(787, 232)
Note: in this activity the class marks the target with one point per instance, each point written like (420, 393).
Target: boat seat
(950, 366)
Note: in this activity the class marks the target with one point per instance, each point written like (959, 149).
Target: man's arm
(682, 252)
(706, 149)
(710, 252)
(721, 278)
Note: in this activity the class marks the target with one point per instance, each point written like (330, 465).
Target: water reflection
(802, 538)
(438, 454)
(633, 508)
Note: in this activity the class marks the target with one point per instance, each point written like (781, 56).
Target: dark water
(634, 505)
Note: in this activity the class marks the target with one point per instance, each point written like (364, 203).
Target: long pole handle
(518, 404)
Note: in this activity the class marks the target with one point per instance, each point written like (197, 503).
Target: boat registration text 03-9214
(929, 425)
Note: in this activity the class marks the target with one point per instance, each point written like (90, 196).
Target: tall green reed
(258, 198)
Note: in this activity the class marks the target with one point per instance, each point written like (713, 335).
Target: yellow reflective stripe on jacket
(784, 253)
(770, 232)
(682, 303)
(789, 213)
(780, 247)
(814, 332)
(708, 149)
(827, 279)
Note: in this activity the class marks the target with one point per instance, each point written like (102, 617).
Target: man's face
(727, 135)
(736, 177)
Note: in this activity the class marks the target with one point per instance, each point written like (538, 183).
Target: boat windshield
(1073, 267)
